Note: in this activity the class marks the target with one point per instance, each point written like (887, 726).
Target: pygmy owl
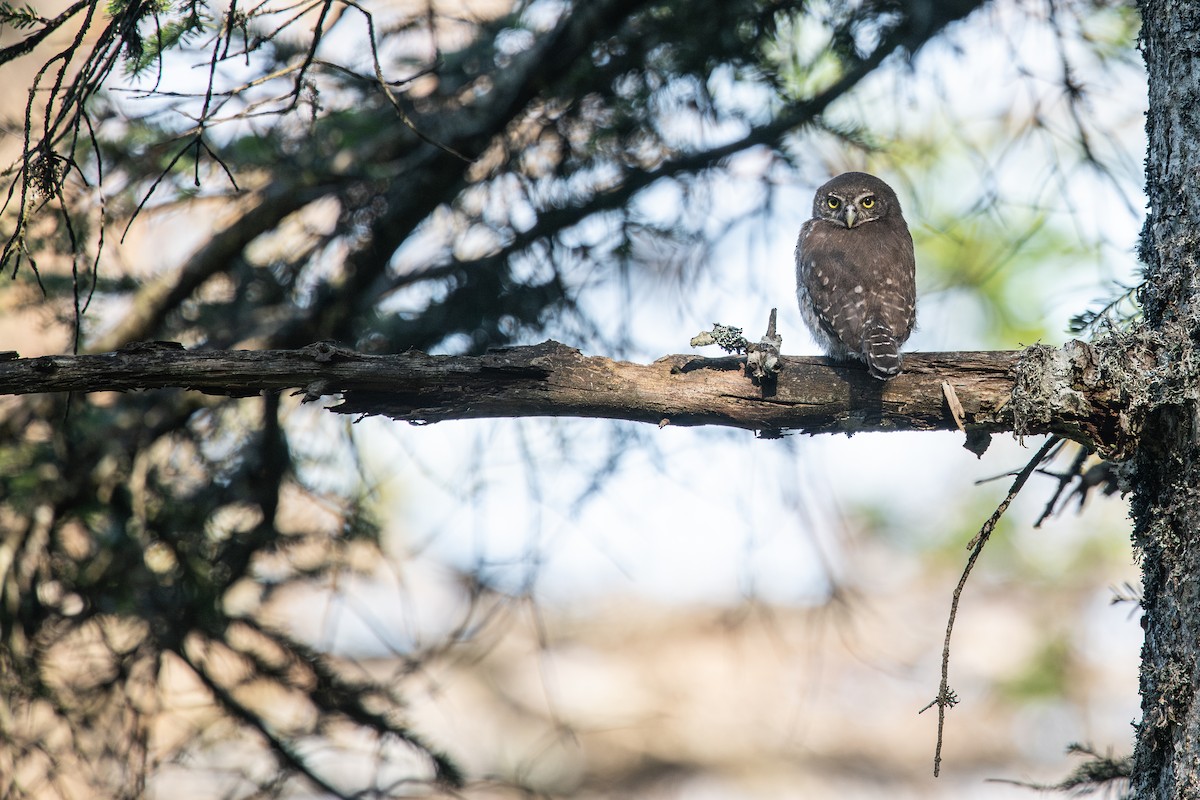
(856, 273)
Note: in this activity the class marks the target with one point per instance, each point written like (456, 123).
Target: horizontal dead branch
(972, 391)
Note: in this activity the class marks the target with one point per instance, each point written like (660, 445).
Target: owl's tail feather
(881, 350)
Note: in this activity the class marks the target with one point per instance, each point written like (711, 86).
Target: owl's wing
(893, 277)
(826, 277)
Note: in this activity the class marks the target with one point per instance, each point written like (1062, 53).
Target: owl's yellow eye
(868, 202)
(833, 202)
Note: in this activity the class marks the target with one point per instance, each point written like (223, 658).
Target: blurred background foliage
(244, 597)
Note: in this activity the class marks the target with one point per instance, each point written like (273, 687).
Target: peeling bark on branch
(1039, 390)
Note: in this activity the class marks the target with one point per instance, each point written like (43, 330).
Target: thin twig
(945, 697)
(27, 44)
(284, 751)
(385, 86)
(1064, 479)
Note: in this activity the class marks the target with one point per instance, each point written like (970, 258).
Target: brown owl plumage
(856, 273)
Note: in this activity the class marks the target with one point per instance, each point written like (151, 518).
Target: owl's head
(854, 198)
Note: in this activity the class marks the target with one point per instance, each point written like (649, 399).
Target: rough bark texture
(1067, 391)
(1165, 474)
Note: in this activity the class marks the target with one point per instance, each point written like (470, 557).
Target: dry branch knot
(328, 352)
(538, 361)
(150, 347)
(548, 355)
(315, 391)
(946, 698)
(44, 364)
(762, 357)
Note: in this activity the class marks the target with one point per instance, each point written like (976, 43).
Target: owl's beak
(851, 216)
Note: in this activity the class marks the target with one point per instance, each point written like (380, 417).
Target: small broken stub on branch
(762, 357)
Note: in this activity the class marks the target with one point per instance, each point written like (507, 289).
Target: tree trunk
(1165, 473)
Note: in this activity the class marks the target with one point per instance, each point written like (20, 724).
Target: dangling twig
(945, 697)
